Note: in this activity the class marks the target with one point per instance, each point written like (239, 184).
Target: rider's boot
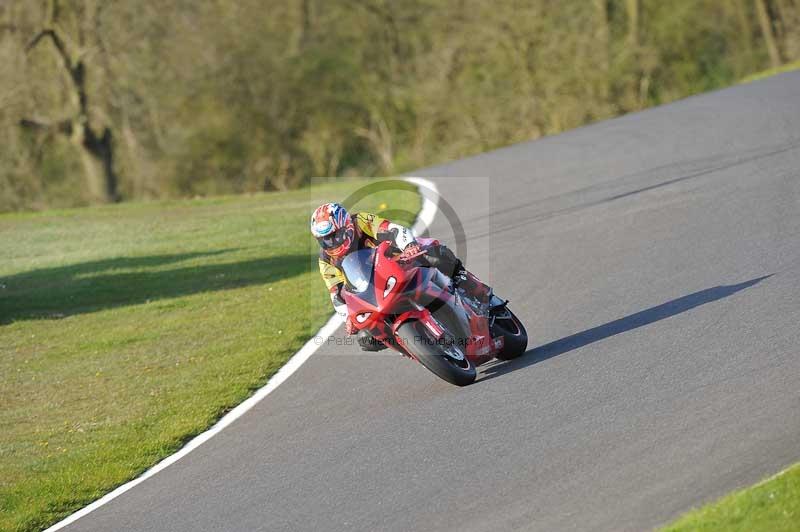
(367, 342)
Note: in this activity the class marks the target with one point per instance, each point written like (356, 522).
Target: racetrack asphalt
(655, 259)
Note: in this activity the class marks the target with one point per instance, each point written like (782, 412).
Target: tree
(94, 142)
(154, 99)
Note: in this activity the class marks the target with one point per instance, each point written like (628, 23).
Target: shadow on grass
(52, 293)
(628, 323)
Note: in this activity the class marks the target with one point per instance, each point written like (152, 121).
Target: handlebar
(411, 252)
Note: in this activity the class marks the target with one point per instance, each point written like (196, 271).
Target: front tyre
(507, 325)
(446, 362)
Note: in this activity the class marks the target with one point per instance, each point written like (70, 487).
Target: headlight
(390, 282)
(363, 316)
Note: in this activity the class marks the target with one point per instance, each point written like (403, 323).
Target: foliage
(789, 67)
(238, 96)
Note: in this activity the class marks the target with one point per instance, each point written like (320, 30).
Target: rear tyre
(507, 325)
(446, 362)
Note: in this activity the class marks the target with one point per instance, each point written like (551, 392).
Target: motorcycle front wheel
(445, 361)
(507, 324)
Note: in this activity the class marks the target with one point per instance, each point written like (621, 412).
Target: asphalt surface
(655, 259)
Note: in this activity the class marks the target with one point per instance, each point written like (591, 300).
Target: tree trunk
(634, 12)
(768, 33)
(745, 28)
(639, 85)
(305, 25)
(784, 20)
(604, 46)
(97, 155)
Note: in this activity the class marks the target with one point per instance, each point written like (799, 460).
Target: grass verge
(772, 72)
(773, 505)
(126, 330)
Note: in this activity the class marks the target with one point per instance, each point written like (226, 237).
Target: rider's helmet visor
(337, 239)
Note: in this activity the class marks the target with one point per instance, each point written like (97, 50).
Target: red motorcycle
(417, 310)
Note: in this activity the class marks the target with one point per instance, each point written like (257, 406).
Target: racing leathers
(370, 230)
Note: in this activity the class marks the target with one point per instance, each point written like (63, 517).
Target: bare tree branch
(32, 123)
(58, 42)
(37, 124)
(75, 69)
(31, 45)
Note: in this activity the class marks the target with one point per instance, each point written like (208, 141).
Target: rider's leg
(473, 286)
(444, 260)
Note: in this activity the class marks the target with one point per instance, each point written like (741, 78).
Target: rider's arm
(334, 280)
(373, 225)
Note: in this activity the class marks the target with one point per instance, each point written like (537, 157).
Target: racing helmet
(333, 228)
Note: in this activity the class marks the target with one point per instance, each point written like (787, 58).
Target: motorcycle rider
(338, 234)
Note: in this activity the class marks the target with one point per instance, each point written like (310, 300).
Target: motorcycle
(417, 310)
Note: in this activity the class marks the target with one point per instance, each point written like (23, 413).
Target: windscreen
(357, 268)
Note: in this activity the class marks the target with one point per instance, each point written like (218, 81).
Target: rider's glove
(338, 303)
(401, 237)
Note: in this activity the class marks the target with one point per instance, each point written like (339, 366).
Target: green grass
(773, 506)
(126, 330)
(772, 72)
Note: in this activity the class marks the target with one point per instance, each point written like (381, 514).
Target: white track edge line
(429, 194)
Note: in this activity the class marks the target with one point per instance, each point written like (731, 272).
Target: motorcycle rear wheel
(451, 366)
